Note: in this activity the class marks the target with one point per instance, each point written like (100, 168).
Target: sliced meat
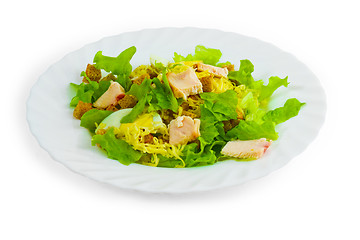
(217, 71)
(185, 83)
(114, 93)
(190, 114)
(246, 149)
(183, 129)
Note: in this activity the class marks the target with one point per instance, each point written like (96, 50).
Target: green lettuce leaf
(207, 55)
(223, 64)
(119, 66)
(215, 109)
(158, 97)
(250, 104)
(101, 89)
(92, 118)
(193, 158)
(221, 105)
(274, 83)
(137, 110)
(290, 109)
(168, 162)
(88, 93)
(256, 128)
(141, 92)
(84, 92)
(208, 132)
(162, 95)
(116, 149)
(249, 130)
(243, 75)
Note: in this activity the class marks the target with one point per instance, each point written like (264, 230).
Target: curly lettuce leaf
(193, 158)
(116, 149)
(290, 109)
(158, 97)
(208, 132)
(249, 130)
(243, 75)
(119, 66)
(221, 105)
(269, 89)
(88, 93)
(169, 162)
(207, 55)
(101, 89)
(92, 118)
(264, 127)
(141, 92)
(137, 110)
(162, 95)
(250, 105)
(223, 64)
(83, 93)
(215, 109)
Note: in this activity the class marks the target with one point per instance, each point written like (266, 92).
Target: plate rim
(42, 145)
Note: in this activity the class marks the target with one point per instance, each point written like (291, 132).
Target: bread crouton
(148, 138)
(185, 106)
(128, 101)
(81, 108)
(206, 80)
(112, 108)
(230, 124)
(92, 73)
(240, 114)
(189, 114)
(142, 69)
(230, 67)
(139, 79)
(109, 77)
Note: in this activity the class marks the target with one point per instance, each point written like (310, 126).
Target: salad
(192, 111)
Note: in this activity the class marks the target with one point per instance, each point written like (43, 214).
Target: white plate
(51, 122)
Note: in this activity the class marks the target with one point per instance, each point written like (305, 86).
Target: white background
(315, 196)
